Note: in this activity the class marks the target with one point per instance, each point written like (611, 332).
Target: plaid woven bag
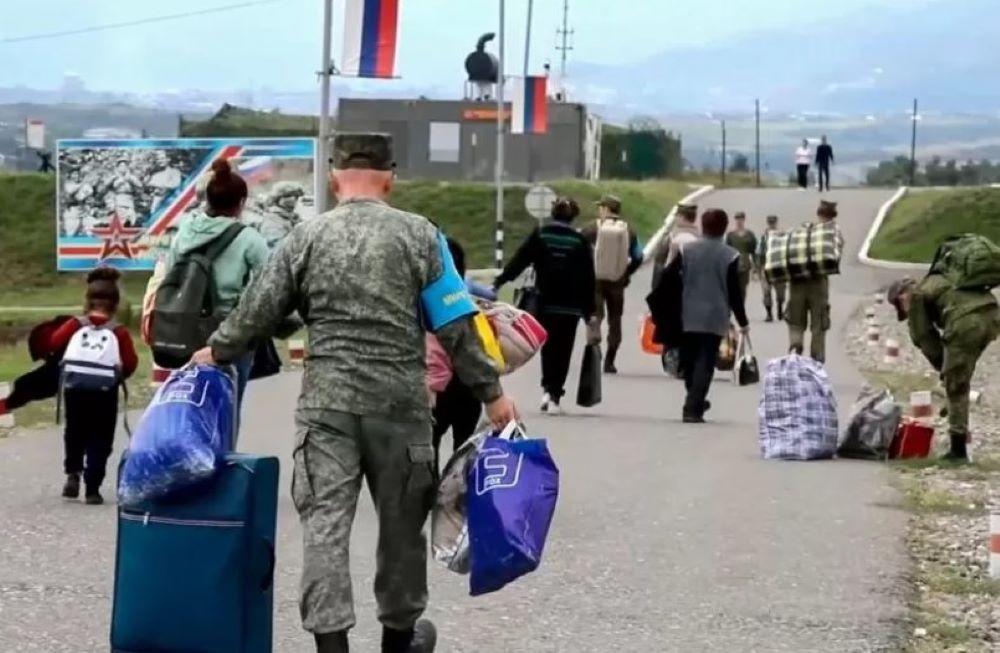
(812, 250)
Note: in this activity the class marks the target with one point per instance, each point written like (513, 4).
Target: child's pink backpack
(439, 369)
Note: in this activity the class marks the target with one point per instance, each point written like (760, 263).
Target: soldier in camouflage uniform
(952, 328)
(809, 303)
(773, 292)
(365, 278)
(743, 241)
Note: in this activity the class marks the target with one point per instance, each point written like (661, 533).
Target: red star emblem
(117, 237)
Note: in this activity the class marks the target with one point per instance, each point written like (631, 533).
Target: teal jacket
(243, 259)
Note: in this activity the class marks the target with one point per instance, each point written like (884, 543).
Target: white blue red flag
(370, 33)
(530, 105)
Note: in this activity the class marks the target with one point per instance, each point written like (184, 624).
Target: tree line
(935, 172)
(642, 150)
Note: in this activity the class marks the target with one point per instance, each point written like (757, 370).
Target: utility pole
(723, 152)
(527, 67)
(565, 33)
(322, 144)
(913, 146)
(498, 259)
(757, 131)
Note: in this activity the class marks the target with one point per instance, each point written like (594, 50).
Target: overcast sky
(278, 44)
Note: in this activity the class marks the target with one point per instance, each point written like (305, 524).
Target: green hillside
(923, 219)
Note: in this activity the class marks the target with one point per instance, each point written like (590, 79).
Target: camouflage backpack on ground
(969, 262)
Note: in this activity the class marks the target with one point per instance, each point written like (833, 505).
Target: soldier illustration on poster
(119, 201)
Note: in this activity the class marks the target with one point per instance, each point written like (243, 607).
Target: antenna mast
(564, 34)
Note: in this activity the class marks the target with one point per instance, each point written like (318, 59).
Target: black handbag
(588, 393)
(747, 370)
(266, 361)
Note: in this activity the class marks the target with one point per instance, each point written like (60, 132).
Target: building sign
(484, 114)
(118, 202)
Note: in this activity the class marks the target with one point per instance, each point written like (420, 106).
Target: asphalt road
(668, 537)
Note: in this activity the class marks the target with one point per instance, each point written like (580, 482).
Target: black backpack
(185, 312)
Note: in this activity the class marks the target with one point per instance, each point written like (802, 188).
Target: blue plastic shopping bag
(513, 487)
(183, 435)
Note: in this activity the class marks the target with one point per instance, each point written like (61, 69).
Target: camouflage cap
(364, 151)
(611, 203)
(896, 291)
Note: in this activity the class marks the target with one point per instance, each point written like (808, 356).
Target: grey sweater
(711, 287)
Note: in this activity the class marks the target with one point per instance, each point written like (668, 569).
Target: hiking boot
(94, 499)
(72, 488)
(422, 638)
(332, 642)
(770, 316)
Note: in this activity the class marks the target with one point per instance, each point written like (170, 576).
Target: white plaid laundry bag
(797, 416)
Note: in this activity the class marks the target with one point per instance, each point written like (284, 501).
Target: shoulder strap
(215, 247)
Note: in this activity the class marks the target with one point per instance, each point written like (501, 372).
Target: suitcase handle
(267, 582)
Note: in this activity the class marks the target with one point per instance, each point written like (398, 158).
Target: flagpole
(527, 64)
(499, 173)
(322, 144)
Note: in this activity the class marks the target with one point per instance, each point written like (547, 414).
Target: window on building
(446, 142)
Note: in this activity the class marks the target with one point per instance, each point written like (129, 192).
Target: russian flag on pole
(370, 31)
(531, 107)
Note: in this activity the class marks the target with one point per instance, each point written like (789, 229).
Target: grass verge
(919, 222)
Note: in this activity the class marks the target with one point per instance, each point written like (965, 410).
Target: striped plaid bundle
(797, 415)
(806, 252)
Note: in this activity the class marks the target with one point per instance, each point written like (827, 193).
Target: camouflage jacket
(355, 275)
(940, 315)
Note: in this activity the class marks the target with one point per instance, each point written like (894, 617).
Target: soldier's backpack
(611, 254)
(185, 311)
(969, 262)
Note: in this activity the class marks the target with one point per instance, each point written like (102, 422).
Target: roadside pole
(757, 133)
(498, 173)
(723, 169)
(913, 146)
(527, 64)
(322, 143)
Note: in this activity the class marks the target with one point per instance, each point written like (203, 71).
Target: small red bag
(648, 334)
(913, 440)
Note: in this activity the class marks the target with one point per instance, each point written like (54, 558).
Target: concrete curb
(668, 222)
(883, 213)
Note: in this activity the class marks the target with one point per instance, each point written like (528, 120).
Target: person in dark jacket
(824, 158)
(564, 267)
(705, 278)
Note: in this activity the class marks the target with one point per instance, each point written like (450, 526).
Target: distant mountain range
(943, 52)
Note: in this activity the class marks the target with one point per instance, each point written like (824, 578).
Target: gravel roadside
(955, 604)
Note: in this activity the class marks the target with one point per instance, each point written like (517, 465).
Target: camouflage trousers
(808, 308)
(333, 452)
(960, 359)
(773, 292)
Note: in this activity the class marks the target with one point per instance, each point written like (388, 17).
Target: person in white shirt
(803, 159)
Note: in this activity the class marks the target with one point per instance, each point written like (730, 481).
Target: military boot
(422, 638)
(609, 361)
(959, 450)
(332, 642)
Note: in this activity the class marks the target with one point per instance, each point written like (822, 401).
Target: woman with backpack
(99, 357)
(239, 254)
(564, 267)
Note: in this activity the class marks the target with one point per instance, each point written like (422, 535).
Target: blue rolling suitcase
(195, 574)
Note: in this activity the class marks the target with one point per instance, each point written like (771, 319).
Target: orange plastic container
(648, 332)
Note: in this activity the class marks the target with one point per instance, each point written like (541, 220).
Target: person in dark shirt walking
(564, 267)
(824, 157)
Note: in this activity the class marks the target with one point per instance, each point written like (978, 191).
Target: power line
(133, 23)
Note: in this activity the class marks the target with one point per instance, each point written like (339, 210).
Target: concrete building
(456, 140)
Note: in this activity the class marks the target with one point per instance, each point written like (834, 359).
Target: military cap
(772, 220)
(611, 203)
(897, 290)
(688, 209)
(365, 151)
(828, 209)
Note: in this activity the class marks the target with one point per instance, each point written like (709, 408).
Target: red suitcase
(913, 440)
